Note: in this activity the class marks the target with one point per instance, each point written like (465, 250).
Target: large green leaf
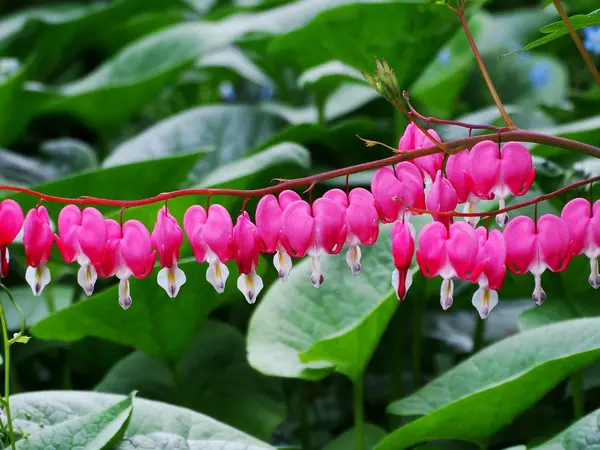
(34, 308)
(226, 131)
(214, 378)
(127, 182)
(156, 324)
(93, 431)
(407, 34)
(372, 434)
(582, 435)
(299, 331)
(153, 425)
(475, 399)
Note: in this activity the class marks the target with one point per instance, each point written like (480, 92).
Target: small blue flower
(540, 74)
(266, 92)
(592, 39)
(227, 91)
(444, 56)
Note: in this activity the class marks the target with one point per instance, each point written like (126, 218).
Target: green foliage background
(130, 98)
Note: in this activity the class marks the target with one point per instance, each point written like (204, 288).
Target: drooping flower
(269, 213)
(11, 221)
(533, 248)
(167, 238)
(392, 189)
(246, 247)
(315, 231)
(403, 249)
(37, 240)
(211, 236)
(82, 238)
(362, 222)
(415, 139)
(501, 172)
(441, 197)
(447, 252)
(128, 252)
(489, 270)
(583, 221)
(456, 166)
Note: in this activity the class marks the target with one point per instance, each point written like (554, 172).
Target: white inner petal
(171, 279)
(484, 300)
(217, 274)
(353, 255)
(124, 293)
(539, 296)
(316, 277)
(86, 278)
(446, 291)
(38, 278)
(250, 285)
(594, 278)
(470, 207)
(283, 264)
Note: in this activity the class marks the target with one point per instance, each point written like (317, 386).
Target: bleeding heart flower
(128, 252)
(498, 173)
(441, 197)
(269, 213)
(447, 252)
(393, 189)
(489, 270)
(211, 237)
(531, 248)
(320, 230)
(82, 238)
(246, 247)
(403, 249)
(583, 222)
(362, 222)
(167, 238)
(11, 221)
(37, 240)
(415, 139)
(456, 166)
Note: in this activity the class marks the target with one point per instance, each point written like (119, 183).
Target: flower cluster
(289, 227)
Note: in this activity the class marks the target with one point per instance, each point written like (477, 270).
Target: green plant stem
(577, 386)
(11, 431)
(359, 413)
(304, 415)
(417, 325)
(478, 335)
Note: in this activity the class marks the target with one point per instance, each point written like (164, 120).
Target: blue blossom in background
(540, 74)
(592, 39)
(227, 91)
(515, 46)
(444, 56)
(266, 92)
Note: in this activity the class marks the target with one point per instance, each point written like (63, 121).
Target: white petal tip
(86, 278)
(353, 255)
(38, 278)
(446, 291)
(317, 280)
(539, 298)
(484, 300)
(502, 220)
(171, 279)
(216, 275)
(283, 264)
(124, 294)
(250, 285)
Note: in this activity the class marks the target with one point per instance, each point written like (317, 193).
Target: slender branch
(470, 126)
(460, 13)
(577, 387)
(451, 146)
(584, 54)
(533, 201)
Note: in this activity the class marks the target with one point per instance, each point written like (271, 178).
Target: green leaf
(407, 34)
(224, 131)
(582, 435)
(153, 323)
(373, 434)
(585, 130)
(558, 29)
(34, 308)
(214, 378)
(93, 431)
(325, 78)
(234, 59)
(298, 331)
(153, 424)
(475, 399)
(127, 182)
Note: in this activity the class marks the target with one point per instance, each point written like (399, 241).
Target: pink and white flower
(441, 197)
(11, 222)
(37, 240)
(246, 247)
(403, 249)
(415, 139)
(457, 166)
(167, 238)
(489, 270)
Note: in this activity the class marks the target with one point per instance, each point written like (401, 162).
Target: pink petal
(576, 214)
(92, 234)
(37, 236)
(403, 245)
(411, 180)
(517, 166)
(361, 215)
(298, 225)
(484, 168)
(462, 248)
(456, 166)
(429, 164)
(268, 222)
(246, 244)
(193, 223)
(338, 196)
(596, 223)
(67, 241)
(441, 197)
(521, 244)
(431, 254)
(167, 238)
(287, 197)
(330, 225)
(491, 257)
(408, 139)
(554, 242)
(136, 247)
(385, 186)
(11, 221)
(218, 231)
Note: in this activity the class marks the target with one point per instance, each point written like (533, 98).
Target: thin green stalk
(478, 334)
(304, 416)
(417, 325)
(359, 413)
(7, 342)
(396, 338)
(577, 385)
